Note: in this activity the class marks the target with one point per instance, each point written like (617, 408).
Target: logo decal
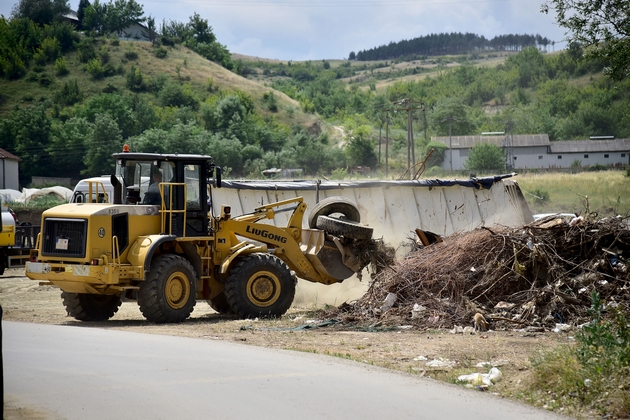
(101, 232)
(266, 234)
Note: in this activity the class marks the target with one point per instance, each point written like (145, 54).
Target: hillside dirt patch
(396, 347)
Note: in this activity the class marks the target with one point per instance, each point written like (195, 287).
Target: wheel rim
(177, 290)
(263, 288)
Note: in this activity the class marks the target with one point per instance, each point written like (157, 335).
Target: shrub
(135, 81)
(69, 93)
(45, 80)
(61, 67)
(104, 54)
(50, 48)
(131, 54)
(161, 52)
(95, 68)
(86, 50)
(597, 168)
(115, 42)
(110, 88)
(39, 58)
(540, 196)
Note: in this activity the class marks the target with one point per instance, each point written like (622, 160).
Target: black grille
(64, 237)
(120, 228)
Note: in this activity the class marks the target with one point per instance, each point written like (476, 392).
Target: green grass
(593, 374)
(606, 192)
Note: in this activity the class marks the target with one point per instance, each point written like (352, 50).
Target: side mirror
(218, 176)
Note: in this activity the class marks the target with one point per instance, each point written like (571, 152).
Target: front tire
(260, 285)
(87, 307)
(169, 293)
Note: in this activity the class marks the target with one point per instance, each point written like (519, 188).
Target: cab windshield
(141, 179)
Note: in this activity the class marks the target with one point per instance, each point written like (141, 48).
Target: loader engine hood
(79, 232)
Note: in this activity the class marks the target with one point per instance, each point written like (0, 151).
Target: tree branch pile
(537, 275)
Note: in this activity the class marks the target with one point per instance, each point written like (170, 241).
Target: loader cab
(173, 183)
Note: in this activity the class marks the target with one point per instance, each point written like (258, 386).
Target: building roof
(518, 140)
(580, 146)
(6, 155)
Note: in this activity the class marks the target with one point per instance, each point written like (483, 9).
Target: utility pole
(411, 145)
(387, 144)
(450, 120)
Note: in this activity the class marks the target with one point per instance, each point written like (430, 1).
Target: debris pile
(538, 275)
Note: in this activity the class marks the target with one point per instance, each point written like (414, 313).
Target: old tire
(220, 304)
(333, 205)
(170, 291)
(345, 228)
(260, 285)
(87, 307)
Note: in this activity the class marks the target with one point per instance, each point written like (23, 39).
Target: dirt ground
(395, 347)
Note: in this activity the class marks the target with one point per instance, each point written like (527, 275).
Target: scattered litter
(441, 363)
(417, 310)
(493, 363)
(479, 379)
(457, 329)
(389, 301)
(562, 327)
(405, 327)
(469, 330)
(421, 358)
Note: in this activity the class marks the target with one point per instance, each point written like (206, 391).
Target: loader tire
(260, 285)
(88, 307)
(220, 304)
(332, 205)
(169, 293)
(345, 228)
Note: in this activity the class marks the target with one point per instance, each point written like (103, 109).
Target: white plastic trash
(389, 301)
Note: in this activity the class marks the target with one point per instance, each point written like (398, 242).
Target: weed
(596, 372)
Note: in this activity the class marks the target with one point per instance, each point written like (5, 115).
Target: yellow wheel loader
(159, 242)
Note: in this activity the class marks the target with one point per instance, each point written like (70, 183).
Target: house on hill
(9, 171)
(535, 151)
(134, 32)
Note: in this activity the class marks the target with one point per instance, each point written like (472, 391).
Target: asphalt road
(88, 373)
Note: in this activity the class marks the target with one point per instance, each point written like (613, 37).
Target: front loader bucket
(324, 255)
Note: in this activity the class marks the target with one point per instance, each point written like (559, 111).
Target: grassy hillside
(180, 64)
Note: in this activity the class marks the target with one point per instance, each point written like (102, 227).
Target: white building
(535, 151)
(9, 171)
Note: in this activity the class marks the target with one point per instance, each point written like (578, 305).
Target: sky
(330, 29)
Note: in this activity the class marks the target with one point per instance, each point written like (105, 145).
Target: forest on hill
(69, 98)
(450, 44)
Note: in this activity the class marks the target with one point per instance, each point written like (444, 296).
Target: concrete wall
(395, 209)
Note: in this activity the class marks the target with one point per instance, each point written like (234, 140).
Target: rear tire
(260, 285)
(169, 293)
(88, 307)
(220, 304)
(345, 228)
(332, 205)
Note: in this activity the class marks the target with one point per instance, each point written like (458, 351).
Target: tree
(121, 14)
(106, 139)
(83, 4)
(485, 157)
(601, 26)
(42, 12)
(200, 30)
(360, 149)
(95, 17)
